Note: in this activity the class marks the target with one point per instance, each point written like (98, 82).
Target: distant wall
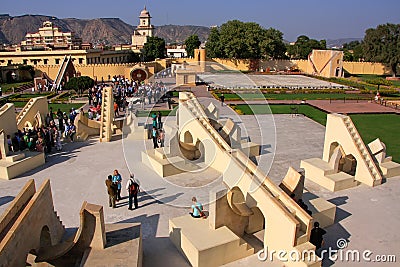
(305, 66)
(102, 71)
(99, 71)
(368, 68)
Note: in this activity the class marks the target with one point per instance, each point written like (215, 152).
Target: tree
(133, 57)
(272, 45)
(382, 45)
(213, 44)
(353, 51)
(245, 40)
(79, 84)
(304, 46)
(192, 43)
(154, 48)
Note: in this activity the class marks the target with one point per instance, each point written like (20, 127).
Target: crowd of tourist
(56, 127)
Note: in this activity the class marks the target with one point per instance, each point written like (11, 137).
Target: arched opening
(190, 149)
(45, 238)
(348, 164)
(188, 138)
(338, 72)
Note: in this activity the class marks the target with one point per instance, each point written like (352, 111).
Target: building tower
(143, 30)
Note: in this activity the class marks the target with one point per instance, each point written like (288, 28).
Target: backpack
(133, 187)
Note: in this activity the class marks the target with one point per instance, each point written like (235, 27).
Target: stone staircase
(107, 115)
(287, 204)
(363, 151)
(61, 71)
(24, 87)
(252, 169)
(195, 108)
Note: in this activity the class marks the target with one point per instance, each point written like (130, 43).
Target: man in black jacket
(133, 190)
(316, 237)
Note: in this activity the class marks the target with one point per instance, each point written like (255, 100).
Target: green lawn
(370, 126)
(7, 87)
(164, 113)
(29, 96)
(19, 104)
(309, 111)
(63, 107)
(383, 126)
(312, 96)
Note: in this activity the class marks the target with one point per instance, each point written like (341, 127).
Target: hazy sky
(317, 19)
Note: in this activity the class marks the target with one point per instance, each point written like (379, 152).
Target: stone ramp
(288, 225)
(86, 128)
(90, 234)
(31, 224)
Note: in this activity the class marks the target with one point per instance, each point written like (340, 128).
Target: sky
(316, 19)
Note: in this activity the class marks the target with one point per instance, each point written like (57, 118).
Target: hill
(102, 30)
(178, 34)
(340, 42)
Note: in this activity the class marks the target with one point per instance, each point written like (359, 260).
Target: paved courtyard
(368, 218)
(239, 80)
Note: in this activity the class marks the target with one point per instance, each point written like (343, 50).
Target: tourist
(161, 138)
(72, 116)
(133, 189)
(60, 120)
(112, 191)
(154, 136)
(9, 143)
(117, 179)
(154, 117)
(98, 115)
(48, 119)
(197, 209)
(90, 97)
(71, 131)
(316, 237)
(65, 118)
(116, 111)
(57, 134)
(90, 114)
(222, 97)
(39, 143)
(159, 122)
(304, 206)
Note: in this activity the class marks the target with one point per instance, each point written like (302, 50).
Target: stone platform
(204, 246)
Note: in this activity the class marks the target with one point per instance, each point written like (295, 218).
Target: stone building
(51, 37)
(144, 30)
